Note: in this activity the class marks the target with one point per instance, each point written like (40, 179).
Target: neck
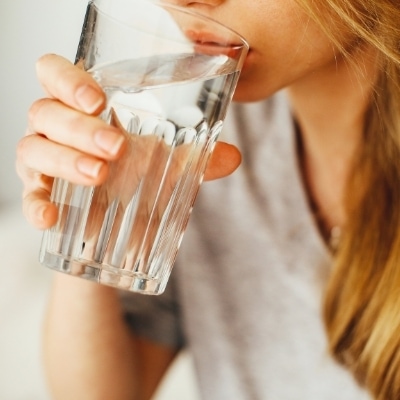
(329, 108)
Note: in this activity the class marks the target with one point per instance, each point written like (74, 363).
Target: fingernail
(89, 167)
(109, 141)
(88, 98)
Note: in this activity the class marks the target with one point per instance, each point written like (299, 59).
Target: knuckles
(45, 61)
(46, 57)
(23, 150)
(36, 109)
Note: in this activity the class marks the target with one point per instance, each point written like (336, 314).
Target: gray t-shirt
(246, 293)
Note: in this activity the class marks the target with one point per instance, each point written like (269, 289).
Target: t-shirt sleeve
(156, 318)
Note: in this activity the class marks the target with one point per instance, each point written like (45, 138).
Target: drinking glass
(169, 75)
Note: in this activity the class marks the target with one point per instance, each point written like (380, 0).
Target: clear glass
(169, 75)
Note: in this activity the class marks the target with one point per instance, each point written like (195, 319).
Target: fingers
(36, 155)
(64, 138)
(69, 84)
(223, 161)
(36, 205)
(62, 162)
(75, 129)
(38, 210)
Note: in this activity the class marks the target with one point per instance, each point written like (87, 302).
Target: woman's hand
(223, 161)
(65, 139)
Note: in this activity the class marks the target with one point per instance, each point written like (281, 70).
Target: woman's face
(285, 44)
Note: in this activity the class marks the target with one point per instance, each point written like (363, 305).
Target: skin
(287, 51)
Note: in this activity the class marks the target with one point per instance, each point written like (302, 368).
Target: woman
(320, 165)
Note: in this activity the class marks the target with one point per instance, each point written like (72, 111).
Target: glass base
(103, 274)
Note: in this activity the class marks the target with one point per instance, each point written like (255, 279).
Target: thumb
(223, 161)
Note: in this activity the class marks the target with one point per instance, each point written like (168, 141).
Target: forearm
(88, 351)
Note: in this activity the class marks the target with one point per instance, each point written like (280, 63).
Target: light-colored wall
(28, 29)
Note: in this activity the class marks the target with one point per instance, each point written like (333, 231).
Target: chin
(254, 86)
(255, 83)
(246, 93)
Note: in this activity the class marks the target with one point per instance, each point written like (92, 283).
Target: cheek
(286, 45)
(277, 61)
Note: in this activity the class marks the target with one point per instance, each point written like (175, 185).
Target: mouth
(210, 44)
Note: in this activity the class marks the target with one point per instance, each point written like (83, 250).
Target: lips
(210, 44)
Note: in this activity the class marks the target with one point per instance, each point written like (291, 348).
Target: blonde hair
(362, 298)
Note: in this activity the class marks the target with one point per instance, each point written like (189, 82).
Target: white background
(28, 29)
